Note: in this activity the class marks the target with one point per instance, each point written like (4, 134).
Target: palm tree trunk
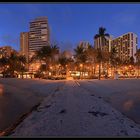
(84, 71)
(4, 73)
(99, 71)
(94, 69)
(67, 74)
(22, 74)
(138, 71)
(106, 74)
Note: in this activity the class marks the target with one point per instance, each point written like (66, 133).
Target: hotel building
(126, 45)
(39, 34)
(103, 43)
(84, 44)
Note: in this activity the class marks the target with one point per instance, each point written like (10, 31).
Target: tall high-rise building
(126, 46)
(24, 44)
(85, 44)
(102, 43)
(39, 34)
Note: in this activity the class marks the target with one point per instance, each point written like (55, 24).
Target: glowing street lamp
(81, 65)
(37, 66)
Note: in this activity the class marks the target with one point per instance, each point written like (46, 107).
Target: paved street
(75, 100)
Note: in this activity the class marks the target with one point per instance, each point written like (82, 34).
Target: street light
(81, 65)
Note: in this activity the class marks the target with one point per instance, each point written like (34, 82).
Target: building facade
(103, 43)
(39, 35)
(84, 44)
(126, 46)
(24, 44)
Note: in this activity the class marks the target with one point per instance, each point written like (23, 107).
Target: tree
(4, 65)
(54, 57)
(131, 60)
(105, 62)
(113, 60)
(101, 36)
(47, 54)
(22, 62)
(81, 58)
(92, 58)
(138, 60)
(99, 60)
(64, 62)
(13, 64)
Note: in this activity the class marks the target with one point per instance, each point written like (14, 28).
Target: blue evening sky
(69, 23)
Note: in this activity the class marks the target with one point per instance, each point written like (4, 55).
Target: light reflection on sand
(1, 89)
(128, 105)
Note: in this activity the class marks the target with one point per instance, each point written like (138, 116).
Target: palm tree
(81, 57)
(101, 36)
(64, 62)
(47, 54)
(22, 62)
(113, 58)
(99, 60)
(54, 50)
(13, 64)
(44, 55)
(3, 64)
(106, 58)
(92, 58)
(54, 57)
(138, 60)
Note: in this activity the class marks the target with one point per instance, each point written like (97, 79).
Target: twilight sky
(69, 23)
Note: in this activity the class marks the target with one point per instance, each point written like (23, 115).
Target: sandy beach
(76, 109)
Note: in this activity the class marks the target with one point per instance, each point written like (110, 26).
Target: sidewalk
(73, 111)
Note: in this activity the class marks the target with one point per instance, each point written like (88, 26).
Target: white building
(126, 45)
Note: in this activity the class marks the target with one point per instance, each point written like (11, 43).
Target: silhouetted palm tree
(113, 58)
(54, 57)
(13, 64)
(138, 60)
(81, 57)
(3, 64)
(64, 62)
(92, 58)
(101, 36)
(47, 55)
(22, 62)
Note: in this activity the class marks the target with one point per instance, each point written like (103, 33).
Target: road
(18, 96)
